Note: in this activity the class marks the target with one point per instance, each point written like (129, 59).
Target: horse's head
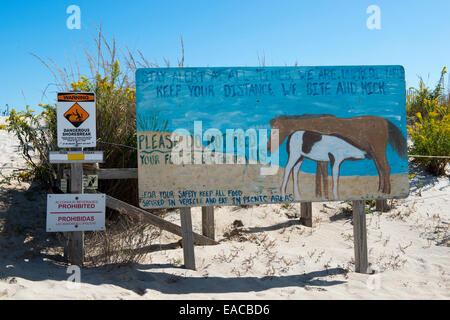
(274, 123)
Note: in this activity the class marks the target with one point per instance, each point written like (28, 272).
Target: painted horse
(320, 148)
(368, 133)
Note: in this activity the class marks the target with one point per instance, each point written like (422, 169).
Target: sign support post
(76, 238)
(360, 237)
(188, 238)
(381, 205)
(208, 222)
(306, 214)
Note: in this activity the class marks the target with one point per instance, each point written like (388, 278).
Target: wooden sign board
(258, 135)
(76, 125)
(75, 212)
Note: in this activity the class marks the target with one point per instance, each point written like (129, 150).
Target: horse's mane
(305, 116)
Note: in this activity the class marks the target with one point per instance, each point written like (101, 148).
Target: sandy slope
(270, 257)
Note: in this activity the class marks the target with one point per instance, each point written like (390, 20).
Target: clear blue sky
(413, 33)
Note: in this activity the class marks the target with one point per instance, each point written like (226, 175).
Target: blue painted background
(180, 107)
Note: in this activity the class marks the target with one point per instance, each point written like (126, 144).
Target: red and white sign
(75, 212)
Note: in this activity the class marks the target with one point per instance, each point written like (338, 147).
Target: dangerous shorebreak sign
(75, 212)
(76, 120)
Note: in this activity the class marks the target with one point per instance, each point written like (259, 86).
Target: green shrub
(116, 126)
(417, 102)
(429, 125)
(36, 133)
(431, 137)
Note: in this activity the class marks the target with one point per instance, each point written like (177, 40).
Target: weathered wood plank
(188, 239)
(117, 173)
(360, 236)
(306, 214)
(119, 205)
(114, 173)
(208, 227)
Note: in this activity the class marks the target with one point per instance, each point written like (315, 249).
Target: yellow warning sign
(76, 115)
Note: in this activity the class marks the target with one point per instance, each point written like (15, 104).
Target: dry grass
(111, 77)
(125, 241)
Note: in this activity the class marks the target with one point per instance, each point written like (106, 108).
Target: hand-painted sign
(75, 212)
(76, 125)
(232, 136)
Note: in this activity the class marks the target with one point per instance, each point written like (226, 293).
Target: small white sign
(75, 212)
(75, 116)
(75, 156)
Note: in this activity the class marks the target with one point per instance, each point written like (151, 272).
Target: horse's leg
(380, 174)
(332, 173)
(385, 170)
(318, 182)
(324, 170)
(293, 158)
(335, 172)
(378, 144)
(295, 173)
(338, 178)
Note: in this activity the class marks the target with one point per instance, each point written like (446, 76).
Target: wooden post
(306, 214)
(60, 176)
(360, 236)
(188, 239)
(208, 222)
(381, 205)
(76, 238)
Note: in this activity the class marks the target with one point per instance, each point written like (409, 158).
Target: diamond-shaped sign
(76, 115)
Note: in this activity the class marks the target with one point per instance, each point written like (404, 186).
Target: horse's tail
(396, 139)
